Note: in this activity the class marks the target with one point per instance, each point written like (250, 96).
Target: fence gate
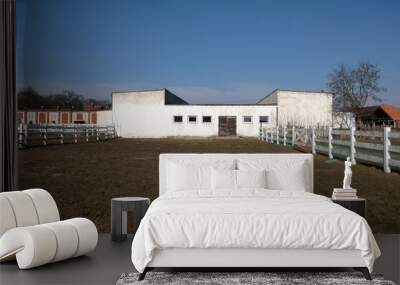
(302, 136)
(227, 126)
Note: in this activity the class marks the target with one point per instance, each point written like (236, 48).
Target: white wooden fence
(370, 147)
(45, 134)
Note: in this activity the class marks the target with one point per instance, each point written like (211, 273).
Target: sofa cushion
(7, 218)
(46, 207)
(23, 208)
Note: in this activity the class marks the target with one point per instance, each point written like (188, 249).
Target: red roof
(392, 111)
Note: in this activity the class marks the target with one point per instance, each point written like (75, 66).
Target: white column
(330, 143)
(386, 146)
(352, 145)
(313, 140)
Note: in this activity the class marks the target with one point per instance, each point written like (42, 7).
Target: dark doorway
(227, 126)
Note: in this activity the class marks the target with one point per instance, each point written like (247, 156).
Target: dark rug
(269, 278)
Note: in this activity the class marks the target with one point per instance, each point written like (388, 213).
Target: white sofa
(31, 230)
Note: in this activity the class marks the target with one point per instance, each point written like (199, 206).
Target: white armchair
(31, 230)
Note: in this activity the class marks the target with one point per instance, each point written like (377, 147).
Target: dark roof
(172, 99)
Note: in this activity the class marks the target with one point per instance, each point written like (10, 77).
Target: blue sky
(204, 51)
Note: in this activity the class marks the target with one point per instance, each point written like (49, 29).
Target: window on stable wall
(264, 119)
(246, 119)
(178, 119)
(192, 119)
(206, 119)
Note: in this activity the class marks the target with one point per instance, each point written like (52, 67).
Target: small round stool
(119, 208)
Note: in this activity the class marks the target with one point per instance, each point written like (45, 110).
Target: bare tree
(353, 87)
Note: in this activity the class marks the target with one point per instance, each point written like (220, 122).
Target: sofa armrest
(40, 244)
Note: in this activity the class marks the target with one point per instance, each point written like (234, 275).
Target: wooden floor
(111, 259)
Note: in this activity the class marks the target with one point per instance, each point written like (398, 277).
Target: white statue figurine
(347, 174)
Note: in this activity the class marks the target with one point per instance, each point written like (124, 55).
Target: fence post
(271, 135)
(97, 134)
(284, 135)
(62, 135)
(45, 135)
(87, 134)
(271, 139)
(352, 145)
(293, 136)
(26, 135)
(386, 149)
(313, 140)
(306, 135)
(75, 135)
(330, 143)
(277, 135)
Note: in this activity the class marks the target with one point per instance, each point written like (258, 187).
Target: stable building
(160, 113)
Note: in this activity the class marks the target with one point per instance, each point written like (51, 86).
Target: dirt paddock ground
(84, 177)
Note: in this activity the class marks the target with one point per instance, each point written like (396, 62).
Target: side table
(119, 208)
(357, 205)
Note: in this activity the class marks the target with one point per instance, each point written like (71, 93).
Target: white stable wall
(302, 108)
(144, 115)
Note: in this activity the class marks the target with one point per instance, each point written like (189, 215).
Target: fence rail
(370, 147)
(46, 134)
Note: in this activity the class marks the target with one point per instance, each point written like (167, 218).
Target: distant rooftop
(391, 111)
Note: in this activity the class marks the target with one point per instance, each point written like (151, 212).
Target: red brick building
(56, 117)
